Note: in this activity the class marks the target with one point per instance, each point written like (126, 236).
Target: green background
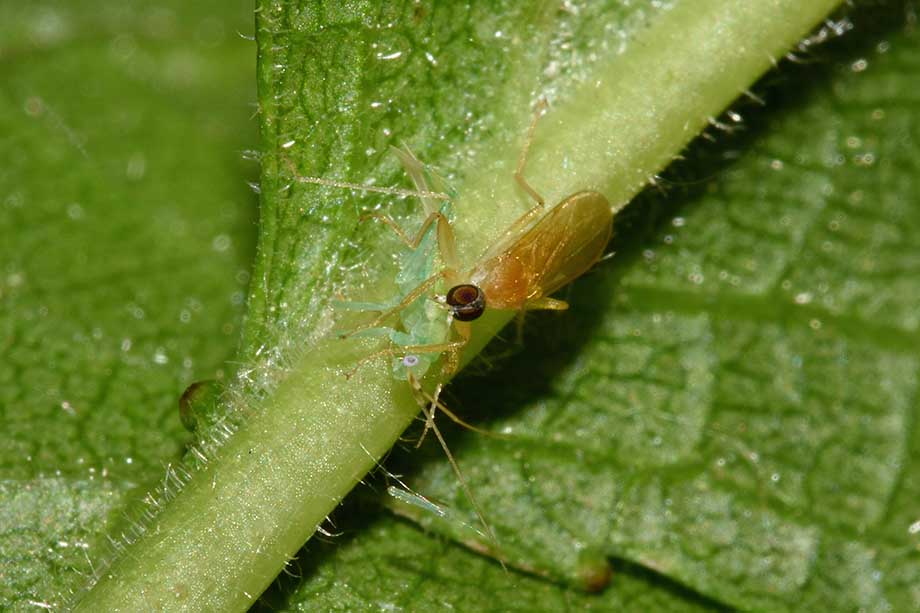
(728, 411)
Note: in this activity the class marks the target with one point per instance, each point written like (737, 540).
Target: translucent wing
(558, 248)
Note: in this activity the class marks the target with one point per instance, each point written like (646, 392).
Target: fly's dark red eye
(466, 301)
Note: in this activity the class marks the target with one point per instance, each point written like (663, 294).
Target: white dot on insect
(410, 361)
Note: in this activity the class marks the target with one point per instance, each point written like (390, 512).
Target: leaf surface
(728, 406)
(127, 238)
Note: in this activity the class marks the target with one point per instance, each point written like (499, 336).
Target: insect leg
(465, 332)
(456, 419)
(433, 348)
(420, 175)
(519, 327)
(522, 160)
(527, 218)
(433, 402)
(411, 297)
(414, 242)
(546, 304)
(467, 491)
(540, 304)
(429, 400)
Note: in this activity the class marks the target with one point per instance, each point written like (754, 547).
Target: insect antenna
(467, 491)
(393, 191)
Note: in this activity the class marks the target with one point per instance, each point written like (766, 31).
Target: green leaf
(127, 239)
(730, 403)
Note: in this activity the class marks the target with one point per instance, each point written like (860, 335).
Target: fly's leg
(452, 360)
(538, 209)
(522, 160)
(546, 304)
(430, 401)
(519, 327)
(433, 402)
(451, 365)
(490, 534)
(456, 419)
(540, 304)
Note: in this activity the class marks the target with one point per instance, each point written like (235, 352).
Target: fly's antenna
(466, 489)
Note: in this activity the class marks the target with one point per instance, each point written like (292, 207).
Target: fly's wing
(565, 243)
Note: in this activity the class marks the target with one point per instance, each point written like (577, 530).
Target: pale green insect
(422, 333)
(423, 327)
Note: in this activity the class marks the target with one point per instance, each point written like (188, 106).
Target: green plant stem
(230, 531)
